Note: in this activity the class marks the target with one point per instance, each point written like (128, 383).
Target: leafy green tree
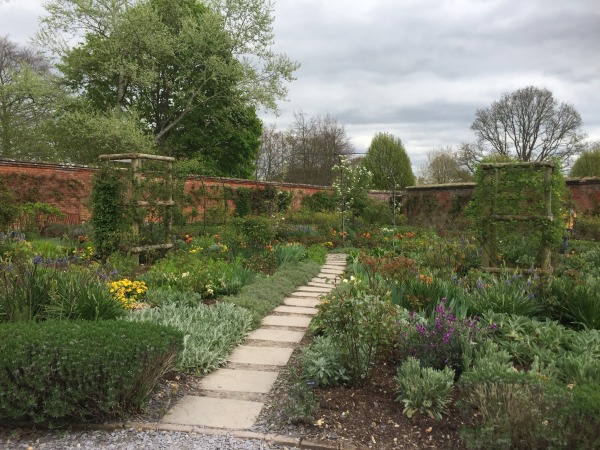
(179, 65)
(588, 163)
(223, 142)
(80, 135)
(389, 163)
(28, 97)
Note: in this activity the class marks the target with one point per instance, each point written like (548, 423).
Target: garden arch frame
(135, 159)
(492, 214)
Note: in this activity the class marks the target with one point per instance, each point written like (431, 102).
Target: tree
(531, 125)
(444, 166)
(273, 154)
(180, 66)
(226, 140)
(389, 163)
(80, 135)
(28, 97)
(588, 163)
(315, 145)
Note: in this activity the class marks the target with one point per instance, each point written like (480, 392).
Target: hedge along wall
(442, 205)
(68, 187)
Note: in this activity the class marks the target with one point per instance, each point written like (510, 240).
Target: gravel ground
(130, 439)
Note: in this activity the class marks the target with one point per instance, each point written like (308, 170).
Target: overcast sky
(419, 69)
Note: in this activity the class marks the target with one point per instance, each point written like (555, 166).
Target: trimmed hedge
(53, 372)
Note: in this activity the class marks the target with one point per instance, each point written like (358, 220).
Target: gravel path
(130, 439)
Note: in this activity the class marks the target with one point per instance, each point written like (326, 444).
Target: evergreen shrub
(58, 371)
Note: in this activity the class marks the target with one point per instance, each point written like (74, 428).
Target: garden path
(234, 395)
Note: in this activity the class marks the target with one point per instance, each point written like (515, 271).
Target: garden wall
(68, 187)
(442, 205)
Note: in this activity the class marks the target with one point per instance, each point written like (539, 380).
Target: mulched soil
(366, 416)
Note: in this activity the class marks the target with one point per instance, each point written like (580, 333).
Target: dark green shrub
(52, 372)
(587, 227)
(9, 209)
(321, 201)
(257, 231)
(108, 212)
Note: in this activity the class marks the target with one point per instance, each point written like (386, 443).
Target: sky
(418, 69)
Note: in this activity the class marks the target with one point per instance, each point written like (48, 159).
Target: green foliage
(80, 135)
(108, 212)
(78, 294)
(510, 293)
(184, 271)
(588, 163)
(518, 189)
(157, 297)
(317, 253)
(361, 324)
(55, 372)
(320, 201)
(302, 402)
(579, 299)
(210, 332)
(25, 286)
(257, 231)
(389, 163)
(9, 208)
(423, 389)
(291, 252)
(124, 264)
(265, 293)
(323, 362)
(519, 410)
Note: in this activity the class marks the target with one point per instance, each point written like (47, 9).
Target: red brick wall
(440, 205)
(68, 187)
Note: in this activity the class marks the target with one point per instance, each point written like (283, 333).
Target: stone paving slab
(269, 356)
(333, 271)
(334, 266)
(305, 302)
(214, 412)
(304, 294)
(287, 321)
(296, 310)
(322, 290)
(331, 281)
(276, 335)
(329, 286)
(239, 380)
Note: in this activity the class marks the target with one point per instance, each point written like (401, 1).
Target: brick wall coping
(14, 162)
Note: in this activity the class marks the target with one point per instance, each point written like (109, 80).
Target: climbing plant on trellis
(146, 200)
(518, 198)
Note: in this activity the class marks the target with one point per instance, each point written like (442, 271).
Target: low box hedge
(58, 371)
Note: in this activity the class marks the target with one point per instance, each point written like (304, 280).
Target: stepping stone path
(232, 395)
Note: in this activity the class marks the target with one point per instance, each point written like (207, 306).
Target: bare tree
(273, 154)
(444, 166)
(531, 125)
(315, 145)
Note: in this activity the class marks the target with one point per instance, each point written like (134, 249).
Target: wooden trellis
(491, 215)
(136, 165)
